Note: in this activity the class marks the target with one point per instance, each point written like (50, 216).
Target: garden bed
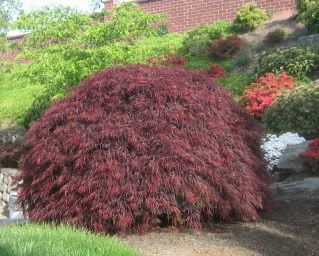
(292, 229)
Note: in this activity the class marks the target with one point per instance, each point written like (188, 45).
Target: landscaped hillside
(125, 128)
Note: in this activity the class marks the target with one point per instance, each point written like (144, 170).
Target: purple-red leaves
(138, 147)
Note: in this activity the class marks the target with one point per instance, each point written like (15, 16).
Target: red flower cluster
(261, 94)
(139, 147)
(226, 48)
(216, 71)
(171, 60)
(311, 155)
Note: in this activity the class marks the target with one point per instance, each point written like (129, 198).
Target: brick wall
(185, 14)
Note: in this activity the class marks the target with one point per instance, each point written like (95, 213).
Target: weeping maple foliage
(139, 147)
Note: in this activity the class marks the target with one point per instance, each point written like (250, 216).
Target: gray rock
(9, 171)
(309, 184)
(312, 40)
(12, 135)
(290, 161)
(15, 211)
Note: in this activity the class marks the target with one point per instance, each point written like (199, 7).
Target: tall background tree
(8, 9)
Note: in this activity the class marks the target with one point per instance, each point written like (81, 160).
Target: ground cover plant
(274, 145)
(295, 111)
(159, 142)
(262, 93)
(39, 240)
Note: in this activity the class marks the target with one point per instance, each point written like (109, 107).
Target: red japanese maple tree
(138, 147)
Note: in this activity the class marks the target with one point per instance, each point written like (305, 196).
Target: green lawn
(16, 96)
(45, 240)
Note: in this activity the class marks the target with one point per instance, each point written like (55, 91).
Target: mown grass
(16, 96)
(236, 82)
(46, 240)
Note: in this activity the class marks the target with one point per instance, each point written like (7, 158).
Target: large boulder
(309, 184)
(291, 163)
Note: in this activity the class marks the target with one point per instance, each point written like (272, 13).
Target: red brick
(184, 14)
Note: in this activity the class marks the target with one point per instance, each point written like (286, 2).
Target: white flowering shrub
(273, 146)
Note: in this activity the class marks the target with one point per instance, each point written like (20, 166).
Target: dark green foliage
(295, 111)
(296, 61)
(309, 14)
(249, 17)
(198, 40)
(162, 29)
(275, 37)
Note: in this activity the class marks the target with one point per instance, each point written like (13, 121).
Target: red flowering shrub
(138, 147)
(226, 48)
(216, 71)
(311, 155)
(171, 60)
(261, 94)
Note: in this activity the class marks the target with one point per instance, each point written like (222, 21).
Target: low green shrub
(299, 62)
(275, 37)
(198, 40)
(295, 111)
(249, 17)
(236, 82)
(162, 29)
(40, 240)
(309, 14)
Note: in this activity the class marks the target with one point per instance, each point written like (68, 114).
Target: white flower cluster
(273, 146)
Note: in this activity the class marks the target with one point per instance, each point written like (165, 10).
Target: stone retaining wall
(6, 175)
